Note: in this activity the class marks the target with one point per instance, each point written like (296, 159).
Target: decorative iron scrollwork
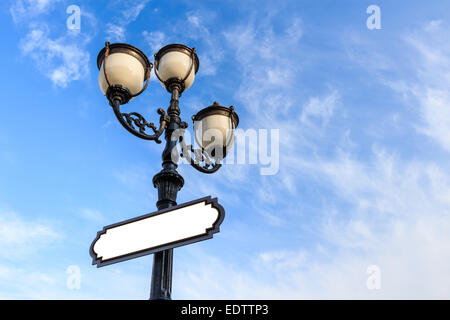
(136, 124)
(135, 119)
(202, 161)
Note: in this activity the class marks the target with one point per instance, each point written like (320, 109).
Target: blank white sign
(194, 221)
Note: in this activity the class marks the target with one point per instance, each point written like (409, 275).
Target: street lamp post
(123, 71)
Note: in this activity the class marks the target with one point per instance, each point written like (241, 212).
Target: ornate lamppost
(123, 71)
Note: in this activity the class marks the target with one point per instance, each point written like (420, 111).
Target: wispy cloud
(92, 215)
(134, 8)
(198, 23)
(268, 62)
(321, 110)
(20, 238)
(432, 70)
(129, 12)
(26, 9)
(194, 27)
(155, 39)
(381, 208)
(436, 114)
(34, 239)
(128, 9)
(421, 75)
(342, 199)
(62, 60)
(115, 33)
(16, 231)
(397, 218)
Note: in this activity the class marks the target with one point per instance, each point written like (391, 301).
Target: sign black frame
(207, 235)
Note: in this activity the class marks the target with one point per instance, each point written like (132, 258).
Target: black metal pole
(168, 182)
(161, 288)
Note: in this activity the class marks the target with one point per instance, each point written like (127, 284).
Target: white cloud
(385, 185)
(134, 8)
(115, 33)
(195, 20)
(319, 109)
(50, 282)
(25, 242)
(130, 11)
(21, 237)
(385, 210)
(421, 75)
(32, 265)
(62, 60)
(268, 64)
(155, 39)
(397, 217)
(435, 105)
(25, 9)
(16, 231)
(197, 28)
(430, 89)
(135, 177)
(363, 51)
(92, 215)
(433, 25)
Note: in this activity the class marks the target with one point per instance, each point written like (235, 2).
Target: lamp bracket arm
(201, 161)
(136, 124)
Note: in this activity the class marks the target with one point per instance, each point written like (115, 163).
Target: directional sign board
(161, 230)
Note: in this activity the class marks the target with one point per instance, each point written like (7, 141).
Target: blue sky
(364, 126)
